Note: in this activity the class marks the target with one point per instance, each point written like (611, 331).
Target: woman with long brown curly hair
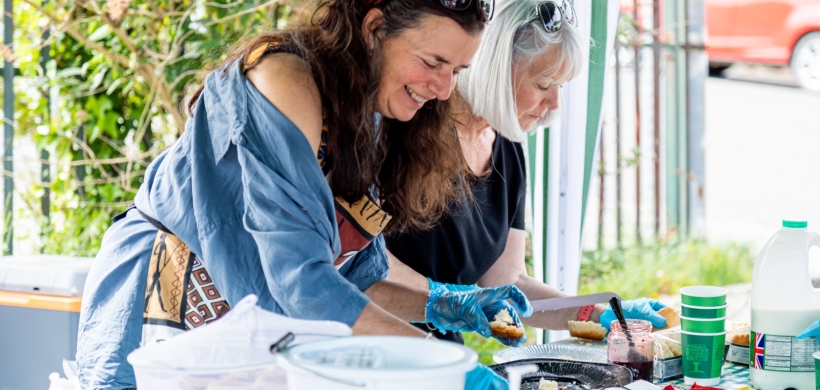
(240, 205)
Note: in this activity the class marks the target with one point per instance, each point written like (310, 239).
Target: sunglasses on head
(552, 14)
(457, 5)
(462, 5)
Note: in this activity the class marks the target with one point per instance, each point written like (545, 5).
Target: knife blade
(576, 301)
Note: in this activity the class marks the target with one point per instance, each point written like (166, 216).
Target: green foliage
(662, 269)
(108, 100)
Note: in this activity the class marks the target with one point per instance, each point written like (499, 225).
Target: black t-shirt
(465, 244)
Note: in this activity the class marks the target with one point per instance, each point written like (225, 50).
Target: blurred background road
(762, 152)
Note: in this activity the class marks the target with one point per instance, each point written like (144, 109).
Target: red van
(774, 32)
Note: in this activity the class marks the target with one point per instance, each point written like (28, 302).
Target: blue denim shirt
(242, 187)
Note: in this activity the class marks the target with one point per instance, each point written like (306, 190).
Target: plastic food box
(670, 365)
(237, 351)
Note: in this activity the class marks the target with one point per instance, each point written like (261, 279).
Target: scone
(740, 334)
(587, 330)
(672, 318)
(547, 385)
(503, 326)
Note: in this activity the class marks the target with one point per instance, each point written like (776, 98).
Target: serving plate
(552, 351)
(574, 375)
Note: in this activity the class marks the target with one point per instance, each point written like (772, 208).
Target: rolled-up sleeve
(296, 257)
(368, 266)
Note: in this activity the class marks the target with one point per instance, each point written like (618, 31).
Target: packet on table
(668, 351)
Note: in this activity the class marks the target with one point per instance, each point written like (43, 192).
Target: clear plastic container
(638, 354)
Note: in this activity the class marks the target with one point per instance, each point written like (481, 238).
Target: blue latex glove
(812, 330)
(432, 285)
(472, 311)
(483, 378)
(638, 309)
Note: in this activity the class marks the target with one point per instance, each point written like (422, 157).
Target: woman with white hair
(529, 50)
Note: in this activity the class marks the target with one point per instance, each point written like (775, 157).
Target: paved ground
(762, 157)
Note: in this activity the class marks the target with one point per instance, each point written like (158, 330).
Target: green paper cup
(702, 357)
(703, 325)
(708, 296)
(703, 311)
(817, 370)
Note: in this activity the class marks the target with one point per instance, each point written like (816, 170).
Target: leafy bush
(102, 85)
(662, 269)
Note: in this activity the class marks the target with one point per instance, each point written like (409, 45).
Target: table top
(735, 376)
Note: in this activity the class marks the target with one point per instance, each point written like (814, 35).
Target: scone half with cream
(504, 326)
(587, 330)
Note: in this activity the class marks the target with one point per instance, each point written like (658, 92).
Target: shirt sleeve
(289, 211)
(368, 266)
(519, 192)
(287, 224)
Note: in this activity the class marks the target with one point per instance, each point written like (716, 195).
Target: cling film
(782, 353)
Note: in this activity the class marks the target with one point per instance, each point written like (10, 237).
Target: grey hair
(487, 85)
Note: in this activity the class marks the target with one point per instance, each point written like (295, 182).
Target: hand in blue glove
(432, 285)
(812, 330)
(638, 309)
(483, 378)
(463, 311)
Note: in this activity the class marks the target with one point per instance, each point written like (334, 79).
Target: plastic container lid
(390, 358)
(795, 224)
(241, 340)
(44, 274)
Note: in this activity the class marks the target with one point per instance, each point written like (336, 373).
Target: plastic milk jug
(784, 303)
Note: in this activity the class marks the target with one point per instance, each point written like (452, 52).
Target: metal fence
(651, 155)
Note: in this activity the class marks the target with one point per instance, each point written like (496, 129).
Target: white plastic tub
(377, 363)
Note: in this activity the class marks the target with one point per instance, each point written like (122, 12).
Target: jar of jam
(636, 354)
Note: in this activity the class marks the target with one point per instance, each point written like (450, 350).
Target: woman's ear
(371, 23)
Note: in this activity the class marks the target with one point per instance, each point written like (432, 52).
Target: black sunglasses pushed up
(462, 5)
(552, 14)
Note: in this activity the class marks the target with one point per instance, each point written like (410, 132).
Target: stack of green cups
(703, 333)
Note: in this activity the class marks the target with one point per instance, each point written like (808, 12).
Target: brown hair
(416, 166)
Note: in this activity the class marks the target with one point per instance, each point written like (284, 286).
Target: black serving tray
(572, 374)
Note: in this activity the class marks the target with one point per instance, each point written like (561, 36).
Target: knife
(576, 301)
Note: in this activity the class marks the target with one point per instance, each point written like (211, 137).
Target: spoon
(632, 355)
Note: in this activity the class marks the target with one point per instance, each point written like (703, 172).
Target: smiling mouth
(418, 99)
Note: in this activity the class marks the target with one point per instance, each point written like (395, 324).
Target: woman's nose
(443, 84)
(551, 100)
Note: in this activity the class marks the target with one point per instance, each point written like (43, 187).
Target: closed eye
(544, 89)
(429, 65)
